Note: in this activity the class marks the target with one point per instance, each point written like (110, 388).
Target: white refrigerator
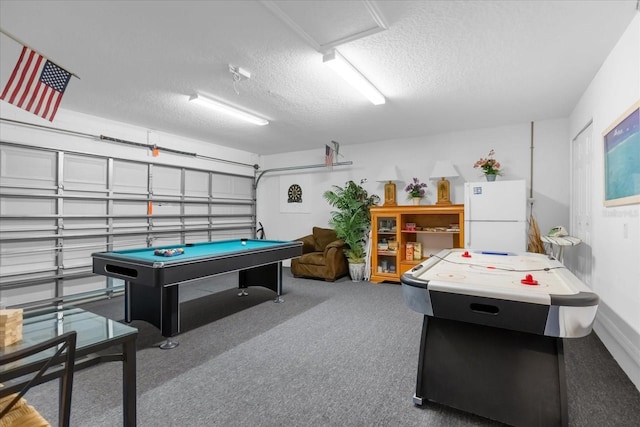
(495, 216)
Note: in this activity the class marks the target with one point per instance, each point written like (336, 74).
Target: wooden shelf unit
(435, 230)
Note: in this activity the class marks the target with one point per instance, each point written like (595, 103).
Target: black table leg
(159, 306)
(510, 376)
(170, 316)
(129, 388)
(268, 276)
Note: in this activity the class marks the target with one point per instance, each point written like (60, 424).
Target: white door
(579, 259)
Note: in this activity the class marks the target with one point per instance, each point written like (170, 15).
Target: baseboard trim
(624, 347)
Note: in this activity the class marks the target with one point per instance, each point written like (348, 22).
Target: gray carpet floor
(333, 354)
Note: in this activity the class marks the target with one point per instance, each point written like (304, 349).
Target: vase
(356, 271)
(490, 177)
(416, 200)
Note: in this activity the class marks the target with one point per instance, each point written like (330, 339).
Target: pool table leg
(268, 276)
(170, 316)
(168, 344)
(159, 306)
(279, 298)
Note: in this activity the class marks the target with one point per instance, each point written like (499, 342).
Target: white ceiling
(442, 65)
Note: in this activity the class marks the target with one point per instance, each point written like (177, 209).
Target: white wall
(616, 257)
(415, 157)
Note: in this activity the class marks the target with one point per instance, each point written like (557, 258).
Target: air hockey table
(493, 330)
(152, 275)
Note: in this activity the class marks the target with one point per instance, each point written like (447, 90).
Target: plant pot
(416, 200)
(490, 177)
(356, 271)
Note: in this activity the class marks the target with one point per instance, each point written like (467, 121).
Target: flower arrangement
(416, 188)
(489, 166)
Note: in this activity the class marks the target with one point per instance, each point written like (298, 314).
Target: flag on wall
(328, 157)
(36, 84)
(336, 149)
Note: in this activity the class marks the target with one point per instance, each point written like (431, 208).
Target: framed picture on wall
(622, 159)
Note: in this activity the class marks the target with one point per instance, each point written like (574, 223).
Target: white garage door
(57, 208)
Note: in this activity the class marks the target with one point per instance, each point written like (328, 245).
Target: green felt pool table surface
(194, 251)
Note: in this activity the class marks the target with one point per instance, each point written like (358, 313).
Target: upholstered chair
(322, 256)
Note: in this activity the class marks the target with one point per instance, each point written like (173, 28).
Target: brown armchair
(322, 256)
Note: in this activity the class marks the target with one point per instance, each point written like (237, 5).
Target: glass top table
(94, 334)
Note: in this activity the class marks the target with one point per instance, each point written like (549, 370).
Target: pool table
(152, 275)
(493, 330)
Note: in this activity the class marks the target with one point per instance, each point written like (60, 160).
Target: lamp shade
(388, 173)
(443, 169)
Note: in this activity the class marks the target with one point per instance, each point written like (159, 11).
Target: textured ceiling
(442, 65)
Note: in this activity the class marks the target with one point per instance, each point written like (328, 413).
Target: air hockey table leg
(510, 376)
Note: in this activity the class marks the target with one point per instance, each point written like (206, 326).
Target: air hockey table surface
(486, 287)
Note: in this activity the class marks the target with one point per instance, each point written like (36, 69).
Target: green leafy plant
(352, 219)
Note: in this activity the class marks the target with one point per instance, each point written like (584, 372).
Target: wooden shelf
(387, 253)
(414, 262)
(436, 233)
(431, 232)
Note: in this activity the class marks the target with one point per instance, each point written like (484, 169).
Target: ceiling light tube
(227, 109)
(352, 76)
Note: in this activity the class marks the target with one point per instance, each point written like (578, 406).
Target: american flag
(36, 84)
(328, 158)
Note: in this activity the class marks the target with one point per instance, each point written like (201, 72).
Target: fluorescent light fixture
(352, 76)
(227, 109)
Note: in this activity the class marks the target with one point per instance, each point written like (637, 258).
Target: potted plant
(352, 221)
(415, 190)
(490, 166)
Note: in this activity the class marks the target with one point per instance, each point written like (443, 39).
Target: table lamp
(389, 175)
(443, 170)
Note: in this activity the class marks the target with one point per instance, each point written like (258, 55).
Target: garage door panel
(27, 167)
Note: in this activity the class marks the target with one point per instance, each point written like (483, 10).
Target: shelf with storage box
(404, 236)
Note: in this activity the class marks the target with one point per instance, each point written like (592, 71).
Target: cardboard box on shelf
(417, 251)
(409, 252)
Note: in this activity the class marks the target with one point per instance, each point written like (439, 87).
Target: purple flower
(416, 188)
